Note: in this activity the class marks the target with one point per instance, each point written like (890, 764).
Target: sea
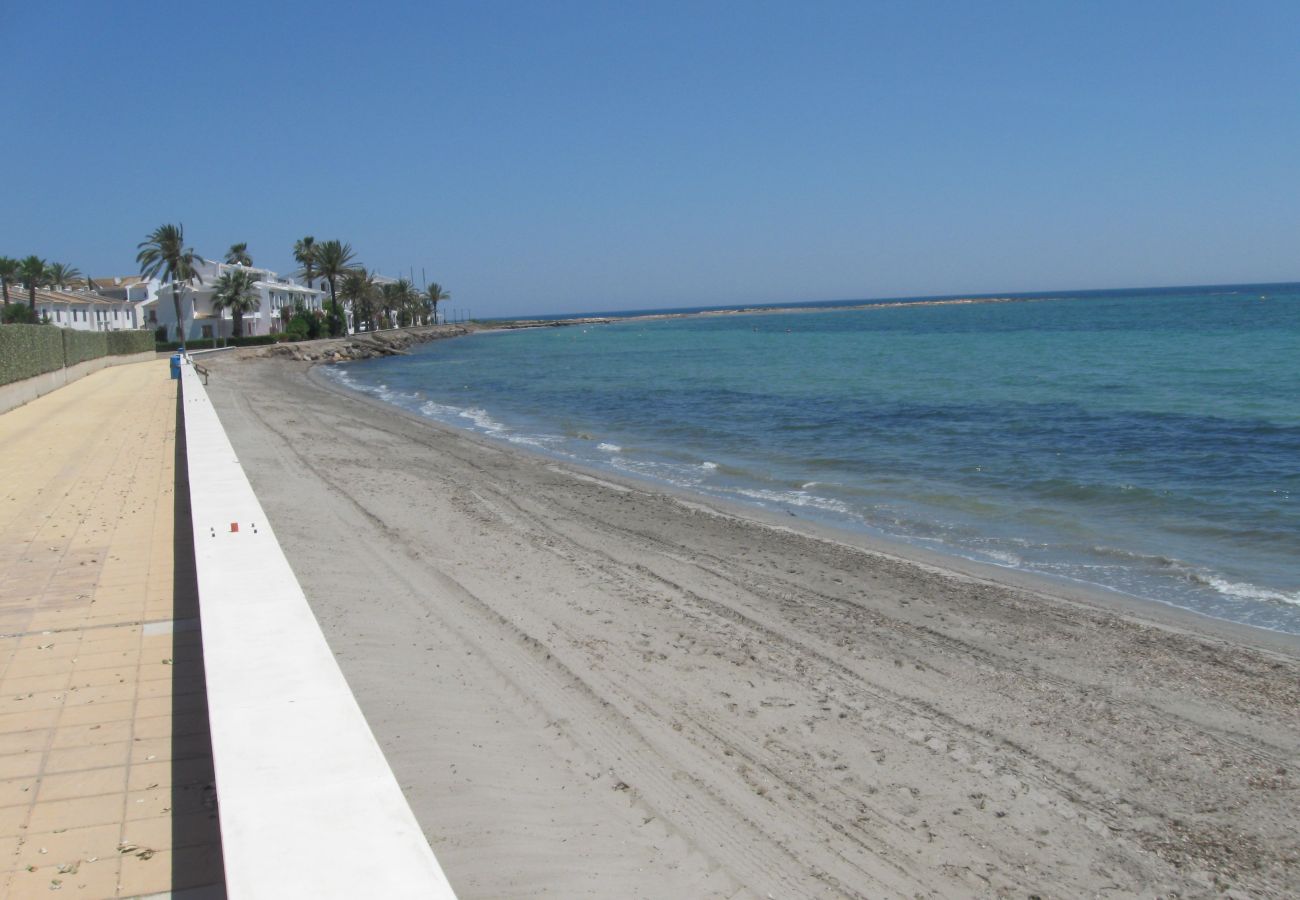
(1146, 441)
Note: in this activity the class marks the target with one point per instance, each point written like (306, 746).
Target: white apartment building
(79, 310)
(278, 298)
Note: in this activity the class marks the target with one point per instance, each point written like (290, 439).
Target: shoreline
(1142, 609)
(596, 689)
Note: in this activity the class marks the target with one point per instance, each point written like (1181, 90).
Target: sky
(556, 156)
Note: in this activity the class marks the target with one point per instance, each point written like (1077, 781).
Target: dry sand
(595, 689)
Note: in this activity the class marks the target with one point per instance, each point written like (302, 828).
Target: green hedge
(252, 340)
(79, 346)
(29, 350)
(124, 343)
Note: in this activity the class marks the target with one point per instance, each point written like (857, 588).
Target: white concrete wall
(309, 806)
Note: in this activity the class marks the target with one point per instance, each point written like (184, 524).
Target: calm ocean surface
(1143, 442)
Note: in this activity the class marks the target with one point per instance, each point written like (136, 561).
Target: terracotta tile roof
(117, 281)
(17, 293)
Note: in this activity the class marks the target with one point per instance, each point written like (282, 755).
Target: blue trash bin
(176, 365)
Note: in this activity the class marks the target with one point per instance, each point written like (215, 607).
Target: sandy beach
(591, 688)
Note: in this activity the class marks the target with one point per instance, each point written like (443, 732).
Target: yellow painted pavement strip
(105, 762)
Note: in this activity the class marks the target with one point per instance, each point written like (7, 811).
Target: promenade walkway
(106, 784)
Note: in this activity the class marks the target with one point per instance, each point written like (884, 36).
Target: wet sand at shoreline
(592, 688)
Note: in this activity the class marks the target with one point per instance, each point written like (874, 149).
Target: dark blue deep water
(1144, 442)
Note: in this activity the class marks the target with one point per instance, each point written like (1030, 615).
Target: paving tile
(84, 783)
(97, 729)
(93, 713)
(24, 741)
(18, 791)
(69, 844)
(33, 720)
(92, 756)
(123, 690)
(13, 820)
(85, 735)
(80, 812)
(21, 765)
(90, 880)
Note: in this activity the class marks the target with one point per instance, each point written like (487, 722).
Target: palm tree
(436, 295)
(359, 290)
(304, 251)
(237, 255)
(334, 259)
(60, 275)
(34, 274)
(164, 251)
(392, 300)
(235, 292)
(406, 301)
(8, 273)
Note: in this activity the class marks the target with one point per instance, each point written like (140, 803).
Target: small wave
(708, 465)
(674, 474)
(610, 448)
(533, 440)
(481, 419)
(1163, 562)
(795, 498)
(438, 410)
(1240, 591)
(1003, 558)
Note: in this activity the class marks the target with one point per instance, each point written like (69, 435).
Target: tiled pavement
(106, 786)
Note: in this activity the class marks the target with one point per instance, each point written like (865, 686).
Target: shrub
(313, 321)
(28, 350)
(160, 334)
(79, 346)
(253, 340)
(123, 343)
(298, 329)
(18, 314)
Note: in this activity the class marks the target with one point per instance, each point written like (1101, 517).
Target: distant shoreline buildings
(122, 302)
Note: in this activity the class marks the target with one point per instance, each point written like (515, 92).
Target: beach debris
(129, 849)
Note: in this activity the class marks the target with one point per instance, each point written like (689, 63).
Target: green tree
(34, 273)
(359, 290)
(304, 251)
(334, 259)
(164, 251)
(60, 275)
(8, 275)
(392, 302)
(436, 295)
(237, 255)
(235, 292)
(407, 302)
(17, 314)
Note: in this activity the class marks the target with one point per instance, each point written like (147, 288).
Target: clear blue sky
(556, 156)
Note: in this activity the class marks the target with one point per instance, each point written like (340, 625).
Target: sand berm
(590, 688)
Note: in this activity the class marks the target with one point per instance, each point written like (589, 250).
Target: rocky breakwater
(360, 346)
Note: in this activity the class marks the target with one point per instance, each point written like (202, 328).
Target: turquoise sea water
(1143, 442)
